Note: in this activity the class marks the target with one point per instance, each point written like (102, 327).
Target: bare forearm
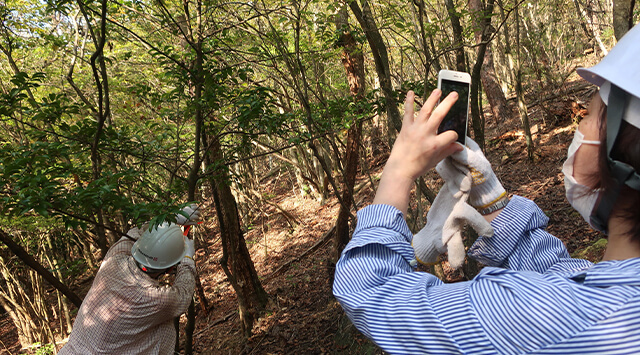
(394, 191)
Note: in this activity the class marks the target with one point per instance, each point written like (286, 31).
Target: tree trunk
(63, 302)
(522, 106)
(429, 60)
(457, 35)
(22, 298)
(381, 59)
(482, 38)
(24, 335)
(504, 63)
(236, 261)
(622, 17)
(353, 62)
(192, 180)
(492, 89)
(99, 69)
(588, 17)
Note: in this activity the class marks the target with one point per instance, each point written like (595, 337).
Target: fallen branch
(576, 88)
(291, 219)
(222, 319)
(313, 248)
(361, 186)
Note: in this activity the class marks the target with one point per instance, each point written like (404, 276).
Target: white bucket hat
(620, 67)
(618, 76)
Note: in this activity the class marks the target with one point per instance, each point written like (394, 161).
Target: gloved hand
(189, 215)
(486, 188)
(447, 217)
(190, 248)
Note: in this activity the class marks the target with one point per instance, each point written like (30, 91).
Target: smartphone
(458, 116)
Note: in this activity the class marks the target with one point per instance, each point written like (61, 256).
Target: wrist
(501, 202)
(486, 194)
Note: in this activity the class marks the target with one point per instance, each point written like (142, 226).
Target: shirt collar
(140, 275)
(610, 273)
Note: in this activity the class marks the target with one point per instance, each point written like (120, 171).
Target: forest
(276, 118)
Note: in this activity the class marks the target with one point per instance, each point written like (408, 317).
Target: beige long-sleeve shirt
(128, 312)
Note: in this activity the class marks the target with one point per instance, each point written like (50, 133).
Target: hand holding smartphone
(457, 118)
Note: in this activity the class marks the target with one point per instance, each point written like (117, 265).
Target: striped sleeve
(573, 307)
(520, 241)
(404, 312)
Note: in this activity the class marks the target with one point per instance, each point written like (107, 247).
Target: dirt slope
(291, 256)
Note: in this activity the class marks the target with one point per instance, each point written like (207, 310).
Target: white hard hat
(160, 248)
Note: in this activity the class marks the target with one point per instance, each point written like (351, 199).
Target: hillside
(305, 318)
(290, 250)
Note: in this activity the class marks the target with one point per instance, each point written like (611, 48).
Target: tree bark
(192, 180)
(588, 17)
(482, 37)
(353, 62)
(622, 17)
(457, 35)
(492, 89)
(381, 59)
(99, 69)
(429, 60)
(236, 261)
(522, 106)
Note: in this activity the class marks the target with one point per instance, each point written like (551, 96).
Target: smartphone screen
(456, 119)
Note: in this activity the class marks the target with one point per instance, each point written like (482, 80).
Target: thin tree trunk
(588, 17)
(492, 89)
(429, 60)
(503, 54)
(23, 322)
(63, 306)
(457, 35)
(192, 180)
(381, 59)
(482, 37)
(99, 69)
(353, 62)
(522, 105)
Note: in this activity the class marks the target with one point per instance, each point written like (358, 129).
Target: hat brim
(589, 75)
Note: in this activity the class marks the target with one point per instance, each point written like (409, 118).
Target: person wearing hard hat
(532, 297)
(127, 311)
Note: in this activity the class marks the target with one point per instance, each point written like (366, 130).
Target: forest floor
(291, 253)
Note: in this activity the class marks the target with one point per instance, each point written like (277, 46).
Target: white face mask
(582, 198)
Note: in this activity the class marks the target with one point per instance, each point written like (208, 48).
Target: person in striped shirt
(532, 297)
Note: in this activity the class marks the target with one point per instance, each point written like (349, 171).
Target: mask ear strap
(622, 173)
(615, 110)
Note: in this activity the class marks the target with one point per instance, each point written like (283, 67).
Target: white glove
(189, 215)
(446, 219)
(486, 189)
(190, 248)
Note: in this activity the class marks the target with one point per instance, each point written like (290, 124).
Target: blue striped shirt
(532, 298)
